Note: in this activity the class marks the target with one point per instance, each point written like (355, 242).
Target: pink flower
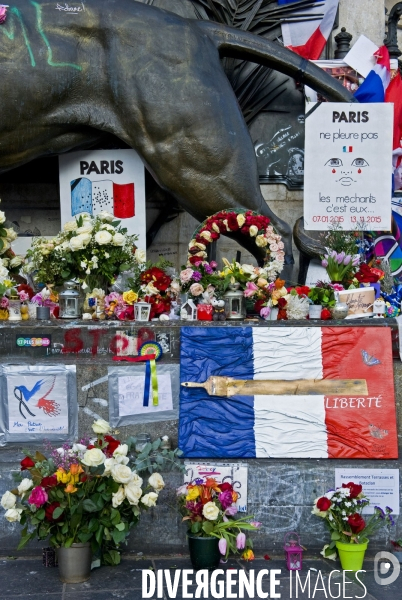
(4, 303)
(265, 311)
(226, 499)
(324, 263)
(250, 290)
(241, 541)
(337, 287)
(255, 523)
(231, 510)
(3, 14)
(38, 496)
(213, 264)
(23, 296)
(222, 546)
(196, 289)
(186, 275)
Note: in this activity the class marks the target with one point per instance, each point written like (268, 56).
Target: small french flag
(375, 85)
(348, 149)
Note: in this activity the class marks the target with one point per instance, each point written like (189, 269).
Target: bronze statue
(70, 72)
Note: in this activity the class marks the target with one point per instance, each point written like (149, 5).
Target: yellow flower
(130, 297)
(248, 554)
(62, 476)
(70, 489)
(193, 493)
(226, 263)
(241, 219)
(8, 283)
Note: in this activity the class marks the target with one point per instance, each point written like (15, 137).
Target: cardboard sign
(381, 486)
(360, 302)
(104, 180)
(348, 166)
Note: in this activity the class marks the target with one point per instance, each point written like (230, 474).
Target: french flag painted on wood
(308, 38)
(288, 426)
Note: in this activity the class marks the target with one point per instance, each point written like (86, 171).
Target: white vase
(314, 311)
(273, 315)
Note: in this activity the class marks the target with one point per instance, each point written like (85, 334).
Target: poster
(131, 394)
(380, 485)
(104, 180)
(320, 424)
(348, 166)
(233, 473)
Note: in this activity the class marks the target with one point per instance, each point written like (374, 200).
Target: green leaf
(124, 267)
(65, 274)
(57, 512)
(89, 506)
(207, 527)
(40, 514)
(99, 535)
(68, 542)
(24, 540)
(84, 537)
(118, 536)
(335, 536)
(120, 526)
(196, 527)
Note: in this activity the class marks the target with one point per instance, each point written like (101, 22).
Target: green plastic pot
(352, 555)
(204, 552)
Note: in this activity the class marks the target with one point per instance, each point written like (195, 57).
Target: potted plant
(209, 509)
(85, 497)
(342, 511)
(320, 297)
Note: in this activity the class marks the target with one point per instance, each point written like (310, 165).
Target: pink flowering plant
(209, 509)
(200, 279)
(340, 266)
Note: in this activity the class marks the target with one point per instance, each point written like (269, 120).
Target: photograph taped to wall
(126, 394)
(38, 402)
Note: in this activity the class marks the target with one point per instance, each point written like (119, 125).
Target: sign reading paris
(348, 166)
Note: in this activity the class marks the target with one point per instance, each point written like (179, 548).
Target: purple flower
(231, 510)
(199, 481)
(356, 261)
(222, 546)
(197, 276)
(255, 523)
(226, 499)
(324, 263)
(265, 311)
(241, 541)
(347, 259)
(208, 270)
(340, 258)
(194, 507)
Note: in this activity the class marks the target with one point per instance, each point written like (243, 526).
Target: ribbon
(149, 353)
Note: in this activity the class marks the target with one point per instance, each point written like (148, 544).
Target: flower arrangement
(341, 509)
(209, 509)
(85, 492)
(249, 224)
(10, 263)
(91, 250)
(200, 279)
(340, 267)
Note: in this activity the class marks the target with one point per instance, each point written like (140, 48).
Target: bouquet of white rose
(92, 250)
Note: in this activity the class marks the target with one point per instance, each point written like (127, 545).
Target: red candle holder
(204, 312)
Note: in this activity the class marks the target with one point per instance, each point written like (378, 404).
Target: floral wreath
(249, 223)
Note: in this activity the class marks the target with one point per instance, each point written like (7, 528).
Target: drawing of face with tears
(346, 170)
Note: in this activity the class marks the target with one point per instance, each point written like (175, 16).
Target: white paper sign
(233, 473)
(131, 395)
(361, 56)
(104, 180)
(37, 404)
(348, 166)
(381, 486)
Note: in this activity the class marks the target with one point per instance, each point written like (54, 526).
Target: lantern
(142, 311)
(14, 309)
(188, 311)
(70, 301)
(235, 303)
(293, 551)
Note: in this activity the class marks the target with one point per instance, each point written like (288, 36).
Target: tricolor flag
(97, 196)
(308, 38)
(288, 426)
(376, 83)
(348, 149)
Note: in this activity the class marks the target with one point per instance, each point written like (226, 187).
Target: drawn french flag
(374, 87)
(287, 426)
(105, 195)
(308, 38)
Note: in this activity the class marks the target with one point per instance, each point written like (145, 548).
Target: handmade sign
(104, 180)
(38, 402)
(287, 392)
(348, 153)
(360, 302)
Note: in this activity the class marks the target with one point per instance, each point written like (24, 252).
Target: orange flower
(235, 496)
(279, 283)
(76, 469)
(70, 489)
(205, 493)
(213, 484)
(248, 554)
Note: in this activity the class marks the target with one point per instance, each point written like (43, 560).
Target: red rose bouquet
(342, 511)
(209, 509)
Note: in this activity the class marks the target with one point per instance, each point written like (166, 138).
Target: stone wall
(280, 492)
